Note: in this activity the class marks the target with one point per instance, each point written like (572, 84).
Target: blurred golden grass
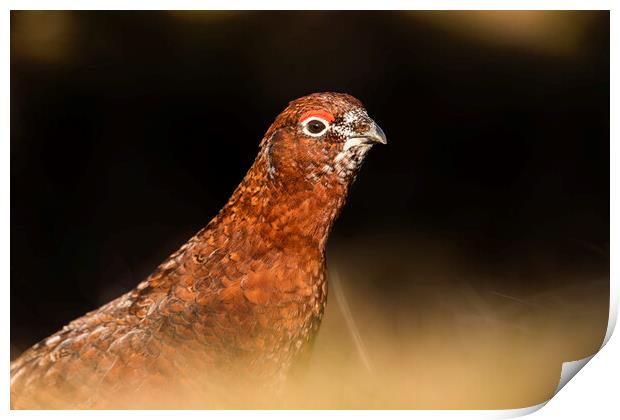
(444, 343)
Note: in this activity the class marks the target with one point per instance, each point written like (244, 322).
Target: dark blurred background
(129, 130)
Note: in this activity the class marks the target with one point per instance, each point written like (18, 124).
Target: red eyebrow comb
(317, 113)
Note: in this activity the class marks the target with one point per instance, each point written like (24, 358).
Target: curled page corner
(519, 412)
(570, 369)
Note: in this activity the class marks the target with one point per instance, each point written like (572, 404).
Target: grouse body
(239, 302)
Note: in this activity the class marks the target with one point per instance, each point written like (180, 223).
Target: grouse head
(320, 138)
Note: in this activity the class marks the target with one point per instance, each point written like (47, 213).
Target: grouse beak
(373, 135)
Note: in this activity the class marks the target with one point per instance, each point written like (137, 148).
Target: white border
(596, 390)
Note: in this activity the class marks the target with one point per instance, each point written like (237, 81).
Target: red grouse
(239, 302)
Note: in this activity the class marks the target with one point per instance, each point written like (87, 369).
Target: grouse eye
(315, 126)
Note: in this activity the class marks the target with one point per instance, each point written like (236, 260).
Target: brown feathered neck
(287, 213)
